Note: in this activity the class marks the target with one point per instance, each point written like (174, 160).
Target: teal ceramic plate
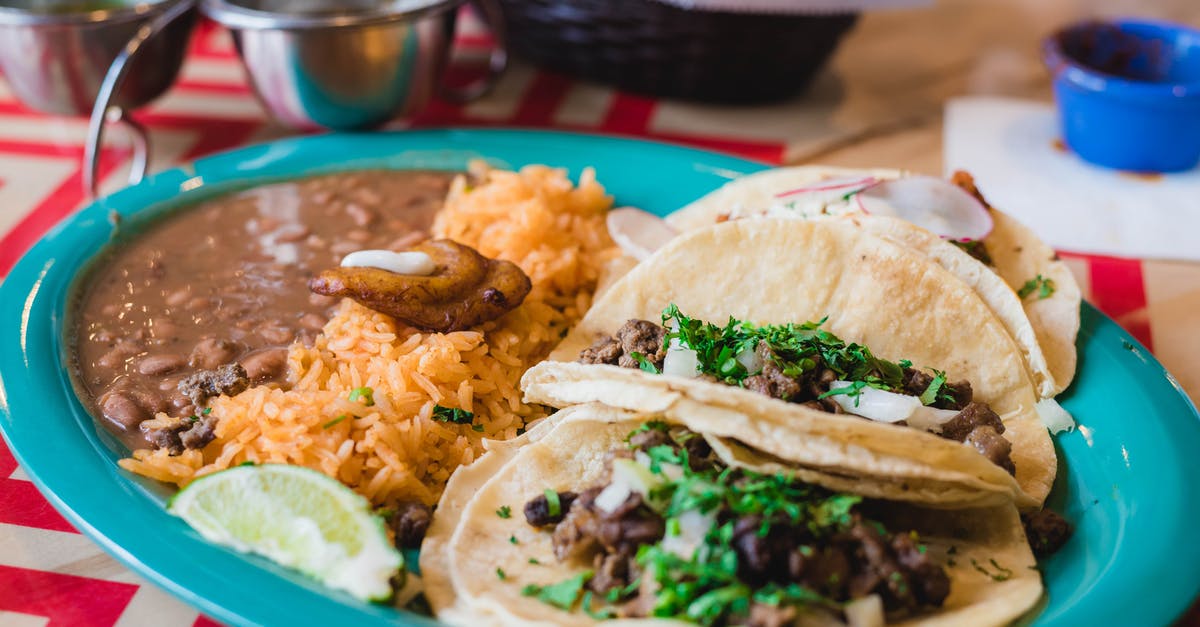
(1124, 478)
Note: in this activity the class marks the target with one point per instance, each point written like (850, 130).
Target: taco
(835, 350)
(619, 516)
(1021, 278)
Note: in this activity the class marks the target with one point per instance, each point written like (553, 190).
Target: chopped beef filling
(178, 434)
(976, 424)
(409, 521)
(537, 510)
(228, 380)
(636, 336)
(837, 561)
(1047, 531)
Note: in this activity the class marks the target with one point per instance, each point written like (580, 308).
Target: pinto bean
(212, 352)
(123, 411)
(266, 364)
(313, 321)
(160, 364)
(360, 214)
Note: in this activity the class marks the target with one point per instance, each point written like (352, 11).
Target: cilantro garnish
(452, 414)
(562, 594)
(553, 505)
(366, 394)
(501, 575)
(603, 613)
(513, 540)
(334, 421)
(504, 511)
(534, 561)
(207, 411)
(934, 392)
(1001, 574)
(1042, 286)
(644, 362)
(796, 349)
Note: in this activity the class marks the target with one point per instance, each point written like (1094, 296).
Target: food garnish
(1040, 285)
(413, 263)
(725, 542)
(929, 202)
(504, 511)
(298, 518)
(637, 232)
(365, 394)
(464, 290)
(804, 364)
(452, 414)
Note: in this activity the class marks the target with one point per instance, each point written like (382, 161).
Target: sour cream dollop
(411, 263)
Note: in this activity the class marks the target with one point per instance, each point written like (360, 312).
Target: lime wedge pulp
(298, 518)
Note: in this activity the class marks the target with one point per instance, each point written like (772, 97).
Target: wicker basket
(654, 48)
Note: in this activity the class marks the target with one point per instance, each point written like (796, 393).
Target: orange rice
(394, 449)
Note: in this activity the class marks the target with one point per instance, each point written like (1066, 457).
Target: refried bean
(226, 281)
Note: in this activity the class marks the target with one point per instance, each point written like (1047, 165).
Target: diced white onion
(1054, 416)
(412, 263)
(876, 404)
(693, 527)
(931, 418)
(865, 612)
(749, 360)
(628, 476)
(611, 497)
(681, 362)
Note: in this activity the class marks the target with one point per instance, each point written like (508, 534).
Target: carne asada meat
(811, 385)
(838, 556)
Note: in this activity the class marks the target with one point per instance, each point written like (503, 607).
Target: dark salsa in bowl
(205, 300)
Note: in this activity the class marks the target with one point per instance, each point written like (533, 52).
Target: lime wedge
(298, 518)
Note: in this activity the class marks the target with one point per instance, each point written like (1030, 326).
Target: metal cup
(349, 65)
(55, 54)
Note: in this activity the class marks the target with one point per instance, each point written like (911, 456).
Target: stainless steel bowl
(55, 54)
(349, 64)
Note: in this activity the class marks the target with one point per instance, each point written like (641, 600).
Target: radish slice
(931, 203)
(637, 232)
(831, 184)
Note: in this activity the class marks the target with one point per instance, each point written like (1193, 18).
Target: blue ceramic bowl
(1128, 93)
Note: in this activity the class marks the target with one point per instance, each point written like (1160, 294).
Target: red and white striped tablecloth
(50, 574)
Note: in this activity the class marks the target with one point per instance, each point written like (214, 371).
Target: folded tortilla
(1044, 328)
(872, 291)
(469, 543)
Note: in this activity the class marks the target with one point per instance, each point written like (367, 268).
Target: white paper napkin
(1012, 149)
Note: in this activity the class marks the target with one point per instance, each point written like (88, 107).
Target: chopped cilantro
(513, 540)
(366, 394)
(534, 561)
(976, 249)
(553, 505)
(934, 392)
(1042, 286)
(500, 574)
(477, 428)
(247, 463)
(334, 421)
(603, 613)
(562, 594)
(207, 411)
(504, 511)
(796, 349)
(452, 414)
(644, 363)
